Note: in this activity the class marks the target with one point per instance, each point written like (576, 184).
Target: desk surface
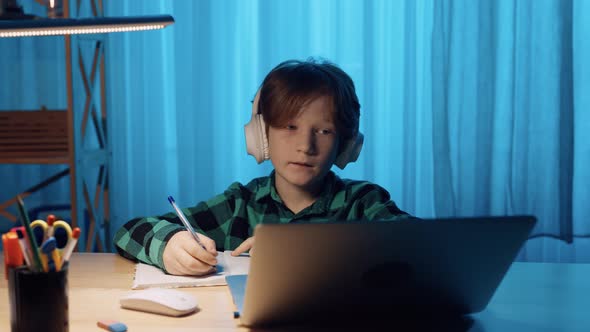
(532, 297)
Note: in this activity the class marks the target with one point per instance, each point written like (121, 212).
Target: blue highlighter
(49, 248)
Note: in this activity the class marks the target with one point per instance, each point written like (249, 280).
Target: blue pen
(185, 222)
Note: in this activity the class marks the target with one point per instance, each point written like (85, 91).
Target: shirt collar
(319, 206)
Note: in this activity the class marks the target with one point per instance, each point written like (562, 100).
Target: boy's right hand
(184, 256)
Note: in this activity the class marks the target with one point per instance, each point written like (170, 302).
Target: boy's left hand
(245, 246)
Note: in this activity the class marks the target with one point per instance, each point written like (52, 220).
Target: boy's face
(303, 151)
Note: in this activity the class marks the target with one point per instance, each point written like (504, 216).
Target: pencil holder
(38, 301)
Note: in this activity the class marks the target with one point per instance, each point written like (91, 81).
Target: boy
(305, 119)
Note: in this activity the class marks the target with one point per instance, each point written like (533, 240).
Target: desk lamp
(15, 23)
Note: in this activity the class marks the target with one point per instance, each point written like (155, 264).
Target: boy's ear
(255, 131)
(350, 151)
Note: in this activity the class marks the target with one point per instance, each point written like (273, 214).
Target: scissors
(60, 231)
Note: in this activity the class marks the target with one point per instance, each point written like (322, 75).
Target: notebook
(147, 276)
(308, 272)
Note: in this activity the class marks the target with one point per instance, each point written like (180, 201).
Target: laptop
(316, 271)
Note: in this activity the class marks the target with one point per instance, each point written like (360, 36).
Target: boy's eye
(325, 131)
(290, 127)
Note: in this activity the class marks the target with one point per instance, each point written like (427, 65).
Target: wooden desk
(97, 281)
(532, 297)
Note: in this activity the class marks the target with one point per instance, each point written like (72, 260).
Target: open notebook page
(147, 276)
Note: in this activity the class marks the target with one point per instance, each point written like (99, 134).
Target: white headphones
(257, 142)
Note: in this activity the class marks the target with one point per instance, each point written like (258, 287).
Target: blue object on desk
(118, 327)
(112, 326)
(237, 288)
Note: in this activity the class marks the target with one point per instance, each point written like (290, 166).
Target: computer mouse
(164, 301)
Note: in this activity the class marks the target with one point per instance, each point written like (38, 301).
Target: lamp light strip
(71, 31)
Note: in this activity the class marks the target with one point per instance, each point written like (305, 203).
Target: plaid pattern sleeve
(144, 239)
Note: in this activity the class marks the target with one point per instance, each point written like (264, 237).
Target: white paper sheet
(147, 276)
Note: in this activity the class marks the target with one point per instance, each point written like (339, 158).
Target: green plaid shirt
(230, 218)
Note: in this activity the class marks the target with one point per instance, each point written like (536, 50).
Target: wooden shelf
(34, 137)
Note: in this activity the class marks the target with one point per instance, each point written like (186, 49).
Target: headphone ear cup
(255, 131)
(350, 152)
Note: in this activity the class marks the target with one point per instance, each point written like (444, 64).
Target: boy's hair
(293, 83)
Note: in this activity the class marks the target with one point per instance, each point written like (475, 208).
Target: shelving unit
(76, 137)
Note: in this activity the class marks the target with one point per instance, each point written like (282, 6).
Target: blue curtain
(469, 108)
